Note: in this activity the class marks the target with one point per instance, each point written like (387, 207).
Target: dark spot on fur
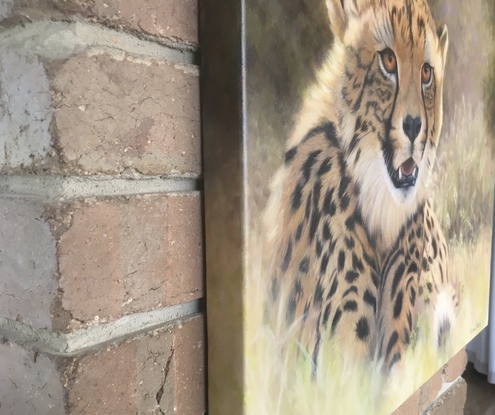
(394, 360)
(434, 246)
(370, 299)
(291, 310)
(309, 163)
(398, 304)
(307, 210)
(304, 265)
(324, 263)
(362, 329)
(328, 204)
(298, 232)
(351, 276)
(297, 197)
(318, 293)
(350, 223)
(409, 320)
(316, 193)
(333, 288)
(413, 268)
(352, 289)
(344, 202)
(336, 319)
(341, 261)
(350, 306)
(330, 133)
(290, 154)
(327, 235)
(349, 242)
(326, 314)
(399, 273)
(357, 264)
(424, 264)
(412, 296)
(325, 166)
(344, 183)
(287, 257)
(392, 342)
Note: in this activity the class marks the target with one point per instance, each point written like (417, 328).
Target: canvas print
(369, 187)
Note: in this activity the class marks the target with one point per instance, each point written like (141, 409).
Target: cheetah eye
(389, 60)
(426, 72)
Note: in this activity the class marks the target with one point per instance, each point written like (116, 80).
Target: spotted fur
(351, 240)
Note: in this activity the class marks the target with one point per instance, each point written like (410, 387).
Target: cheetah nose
(412, 127)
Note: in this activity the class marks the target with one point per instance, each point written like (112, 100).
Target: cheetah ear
(338, 12)
(443, 42)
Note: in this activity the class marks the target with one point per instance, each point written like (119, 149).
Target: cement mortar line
(71, 187)
(98, 336)
(60, 40)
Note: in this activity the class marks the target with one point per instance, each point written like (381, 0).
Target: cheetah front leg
(400, 284)
(439, 288)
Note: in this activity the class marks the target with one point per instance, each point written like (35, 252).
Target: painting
(349, 188)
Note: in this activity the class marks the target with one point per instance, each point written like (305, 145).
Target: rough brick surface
(168, 19)
(123, 255)
(429, 391)
(28, 266)
(29, 383)
(162, 372)
(116, 114)
(109, 113)
(25, 114)
(455, 366)
(452, 401)
(409, 407)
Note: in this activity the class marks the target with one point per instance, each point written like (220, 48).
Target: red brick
(165, 18)
(429, 391)
(163, 370)
(115, 114)
(452, 402)
(168, 19)
(409, 407)
(122, 255)
(455, 367)
(190, 369)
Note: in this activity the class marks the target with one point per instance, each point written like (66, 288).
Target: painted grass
(278, 379)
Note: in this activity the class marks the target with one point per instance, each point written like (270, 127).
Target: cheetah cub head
(388, 58)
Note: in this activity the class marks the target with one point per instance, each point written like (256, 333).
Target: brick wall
(443, 394)
(101, 234)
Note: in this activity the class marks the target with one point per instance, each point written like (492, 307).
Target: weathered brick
(190, 368)
(98, 113)
(455, 367)
(164, 372)
(409, 407)
(168, 19)
(122, 255)
(113, 114)
(29, 383)
(429, 391)
(451, 402)
(28, 266)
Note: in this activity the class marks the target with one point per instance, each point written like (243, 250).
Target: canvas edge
(223, 120)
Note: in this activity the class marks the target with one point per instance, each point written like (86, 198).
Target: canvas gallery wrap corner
(349, 185)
